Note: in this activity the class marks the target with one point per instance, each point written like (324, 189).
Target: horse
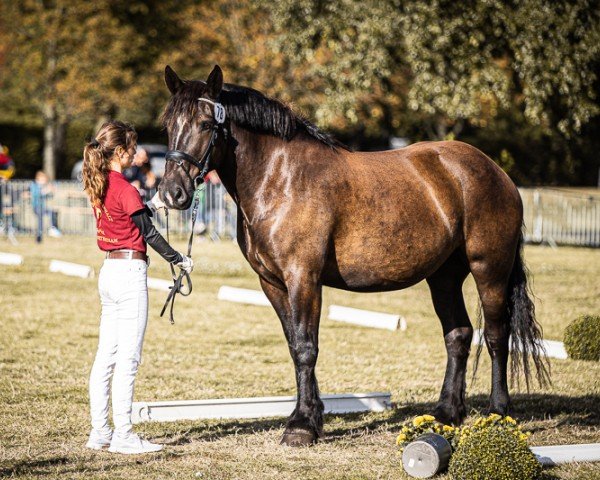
(313, 213)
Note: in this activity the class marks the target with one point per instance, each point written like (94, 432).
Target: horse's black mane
(249, 109)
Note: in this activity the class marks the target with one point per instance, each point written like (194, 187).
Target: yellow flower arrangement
(427, 424)
(424, 424)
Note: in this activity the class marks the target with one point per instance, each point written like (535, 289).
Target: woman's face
(126, 156)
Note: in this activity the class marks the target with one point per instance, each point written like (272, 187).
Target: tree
(67, 59)
(63, 59)
(462, 60)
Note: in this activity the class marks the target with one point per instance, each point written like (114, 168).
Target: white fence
(551, 216)
(561, 217)
(66, 204)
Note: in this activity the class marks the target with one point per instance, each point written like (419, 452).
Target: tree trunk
(60, 140)
(55, 127)
(50, 130)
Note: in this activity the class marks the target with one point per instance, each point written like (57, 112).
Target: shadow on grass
(574, 411)
(62, 466)
(33, 467)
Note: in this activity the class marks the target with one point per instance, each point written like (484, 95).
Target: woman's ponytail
(98, 153)
(95, 172)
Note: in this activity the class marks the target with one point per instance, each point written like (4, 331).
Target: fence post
(537, 235)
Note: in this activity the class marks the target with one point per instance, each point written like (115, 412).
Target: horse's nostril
(179, 194)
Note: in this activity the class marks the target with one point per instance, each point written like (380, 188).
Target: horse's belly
(372, 273)
(392, 261)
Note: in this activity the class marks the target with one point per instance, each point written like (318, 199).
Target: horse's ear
(174, 83)
(214, 82)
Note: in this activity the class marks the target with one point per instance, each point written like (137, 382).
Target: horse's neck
(245, 168)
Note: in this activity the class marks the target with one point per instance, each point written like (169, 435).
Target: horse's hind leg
(446, 292)
(491, 278)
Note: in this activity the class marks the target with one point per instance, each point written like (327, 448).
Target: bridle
(179, 156)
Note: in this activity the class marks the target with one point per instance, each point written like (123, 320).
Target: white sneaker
(54, 232)
(99, 440)
(132, 445)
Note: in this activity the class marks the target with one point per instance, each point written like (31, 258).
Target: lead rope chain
(178, 284)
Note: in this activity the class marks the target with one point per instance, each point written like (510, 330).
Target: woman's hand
(187, 264)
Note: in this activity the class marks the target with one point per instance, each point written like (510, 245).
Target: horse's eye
(205, 126)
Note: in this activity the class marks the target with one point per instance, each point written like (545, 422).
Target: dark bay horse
(312, 213)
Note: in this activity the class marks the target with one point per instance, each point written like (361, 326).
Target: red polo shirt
(115, 229)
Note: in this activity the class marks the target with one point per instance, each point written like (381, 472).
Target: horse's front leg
(305, 425)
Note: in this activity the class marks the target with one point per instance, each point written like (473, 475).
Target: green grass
(217, 349)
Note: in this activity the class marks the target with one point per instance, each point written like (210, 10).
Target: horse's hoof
(298, 439)
(448, 417)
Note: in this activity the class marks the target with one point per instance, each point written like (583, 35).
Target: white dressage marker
(72, 269)
(10, 259)
(159, 284)
(243, 295)
(258, 407)
(554, 348)
(366, 318)
(555, 454)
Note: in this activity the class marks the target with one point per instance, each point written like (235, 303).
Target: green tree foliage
(465, 59)
(518, 79)
(62, 60)
(67, 59)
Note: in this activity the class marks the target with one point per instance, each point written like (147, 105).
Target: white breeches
(124, 295)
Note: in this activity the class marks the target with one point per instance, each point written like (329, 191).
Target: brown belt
(127, 254)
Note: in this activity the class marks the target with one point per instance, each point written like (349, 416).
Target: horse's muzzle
(175, 196)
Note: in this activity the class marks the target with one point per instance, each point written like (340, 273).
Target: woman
(123, 229)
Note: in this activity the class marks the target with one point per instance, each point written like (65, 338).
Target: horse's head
(197, 130)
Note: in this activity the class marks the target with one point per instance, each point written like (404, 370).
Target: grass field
(216, 349)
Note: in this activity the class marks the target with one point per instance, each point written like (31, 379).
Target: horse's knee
(304, 353)
(458, 341)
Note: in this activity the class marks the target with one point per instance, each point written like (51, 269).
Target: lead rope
(178, 284)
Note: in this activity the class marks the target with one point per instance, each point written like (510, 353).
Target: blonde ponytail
(97, 156)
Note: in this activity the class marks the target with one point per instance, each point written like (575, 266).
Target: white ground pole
(243, 295)
(258, 407)
(160, 284)
(554, 349)
(355, 316)
(555, 454)
(72, 269)
(10, 259)
(366, 318)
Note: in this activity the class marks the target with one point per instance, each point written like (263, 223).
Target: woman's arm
(154, 238)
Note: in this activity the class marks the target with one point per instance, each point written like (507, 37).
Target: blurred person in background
(149, 178)
(7, 170)
(134, 173)
(41, 190)
(124, 228)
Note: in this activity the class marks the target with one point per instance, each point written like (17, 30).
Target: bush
(493, 454)
(582, 338)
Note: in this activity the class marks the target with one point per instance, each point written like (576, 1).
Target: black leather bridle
(218, 127)
(203, 166)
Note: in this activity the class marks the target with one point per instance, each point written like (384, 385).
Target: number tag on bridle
(219, 113)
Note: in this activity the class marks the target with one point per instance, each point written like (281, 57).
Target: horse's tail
(525, 331)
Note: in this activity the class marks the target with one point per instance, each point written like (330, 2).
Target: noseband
(179, 156)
